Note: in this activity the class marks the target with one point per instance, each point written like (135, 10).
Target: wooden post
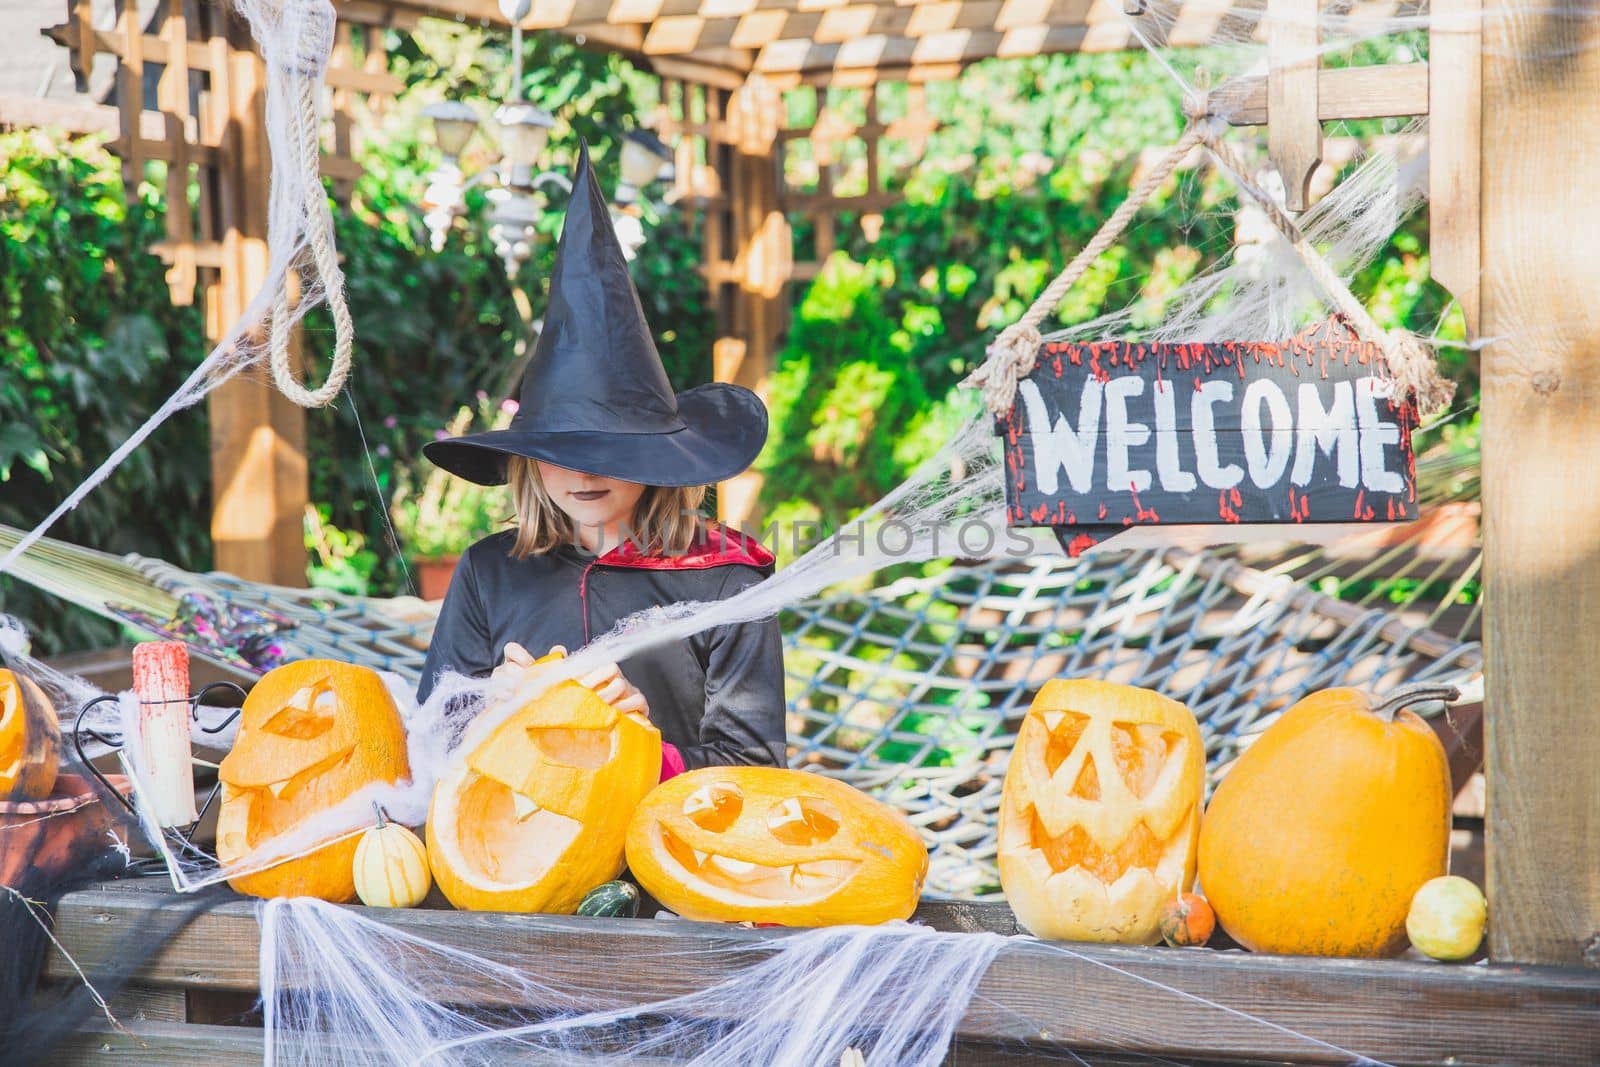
(258, 453)
(1541, 498)
(762, 265)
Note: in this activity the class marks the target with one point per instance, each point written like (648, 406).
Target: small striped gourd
(391, 867)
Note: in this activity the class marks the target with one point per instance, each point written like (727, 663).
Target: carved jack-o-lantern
(30, 740)
(534, 817)
(1100, 813)
(312, 733)
(760, 844)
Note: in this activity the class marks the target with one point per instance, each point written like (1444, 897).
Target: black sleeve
(744, 717)
(461, 636)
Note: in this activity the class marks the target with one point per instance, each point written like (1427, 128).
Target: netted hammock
(915, 690)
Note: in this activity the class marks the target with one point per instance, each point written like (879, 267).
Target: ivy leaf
(19, 442)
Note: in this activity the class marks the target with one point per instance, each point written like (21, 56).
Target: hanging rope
(1015, 352)
(324, 260)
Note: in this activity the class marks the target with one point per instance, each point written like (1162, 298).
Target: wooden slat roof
(721, 42)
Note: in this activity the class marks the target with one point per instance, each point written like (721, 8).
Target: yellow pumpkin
(311, 734)
(30, 739)
(1318, 837)
(766, 845)
(1100, 811)
(534, 817)
(391, 867)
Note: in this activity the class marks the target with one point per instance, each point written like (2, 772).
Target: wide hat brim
(724, 429)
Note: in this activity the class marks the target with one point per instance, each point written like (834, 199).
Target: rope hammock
(915, 691)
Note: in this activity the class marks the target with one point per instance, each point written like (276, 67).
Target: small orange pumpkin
(534, 817)
(1316, 840)
(1100, 811)
(1187, 921)
(30, 739)
(767, 845)
(311, 734)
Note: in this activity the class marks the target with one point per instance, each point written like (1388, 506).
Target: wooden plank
(1390, 91)
(166, 1043)
(1085, 996)
(1541, 486)
(1294, 136)
(1455, 86)
(75, 116)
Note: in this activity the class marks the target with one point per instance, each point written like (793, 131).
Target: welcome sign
(1106, 435)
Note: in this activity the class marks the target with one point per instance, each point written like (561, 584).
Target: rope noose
(1015, 352)
(309, 25)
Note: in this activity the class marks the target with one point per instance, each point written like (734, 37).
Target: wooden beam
(75, 117)
(1540, 136)
(1149, 1001)
(1294, 134)
(955, 47)
(258, 454)
(1390, 91)
(764, 26)
(1455, 42)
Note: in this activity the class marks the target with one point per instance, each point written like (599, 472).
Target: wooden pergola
(1513, 107)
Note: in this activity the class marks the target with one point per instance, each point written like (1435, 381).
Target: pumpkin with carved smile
(311, 734)
(30, 740)
(766, 845)
(534, 816)
(1100, 812)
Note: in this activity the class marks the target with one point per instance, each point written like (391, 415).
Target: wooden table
(1096, 999)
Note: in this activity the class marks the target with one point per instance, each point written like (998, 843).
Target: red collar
(717, 547)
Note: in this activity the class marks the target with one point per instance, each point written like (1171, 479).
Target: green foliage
(89, 346)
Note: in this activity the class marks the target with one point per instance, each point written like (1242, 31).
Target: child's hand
(607, 681)
(609, 684)
(515, 663)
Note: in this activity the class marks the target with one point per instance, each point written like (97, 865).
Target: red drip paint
(1079, 545)
(1228, 513)
(1102, 509)
(1140, 512)
(1041, 513)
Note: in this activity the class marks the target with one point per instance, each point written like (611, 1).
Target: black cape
(717, 696)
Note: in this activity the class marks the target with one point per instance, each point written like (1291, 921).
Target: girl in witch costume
(607, 469)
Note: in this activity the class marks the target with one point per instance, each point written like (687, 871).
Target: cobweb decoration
(340, 987)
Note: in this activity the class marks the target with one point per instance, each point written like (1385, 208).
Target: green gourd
(617, 900)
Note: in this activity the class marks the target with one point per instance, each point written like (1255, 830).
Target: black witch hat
(595, 397)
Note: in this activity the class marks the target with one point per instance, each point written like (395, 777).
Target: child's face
(588, 499)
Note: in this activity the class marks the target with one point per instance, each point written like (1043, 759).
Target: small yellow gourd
(391, 867)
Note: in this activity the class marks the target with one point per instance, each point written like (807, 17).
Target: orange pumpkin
(1100, 811)
(534, 817)
(30, 739)
(1318, 837)
(311, 734)
(766, 845)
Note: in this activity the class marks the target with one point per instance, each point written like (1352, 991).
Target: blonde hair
(666, 520)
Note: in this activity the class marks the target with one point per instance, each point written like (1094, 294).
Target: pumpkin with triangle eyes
(767, 845)
(534, 816)
(30, 739)
(1100, 811)
(312, 733)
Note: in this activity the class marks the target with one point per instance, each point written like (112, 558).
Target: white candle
(161, 684)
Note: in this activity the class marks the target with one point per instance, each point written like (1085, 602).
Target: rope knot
(1414, 371)
(1010, 358)
(1197, 104)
